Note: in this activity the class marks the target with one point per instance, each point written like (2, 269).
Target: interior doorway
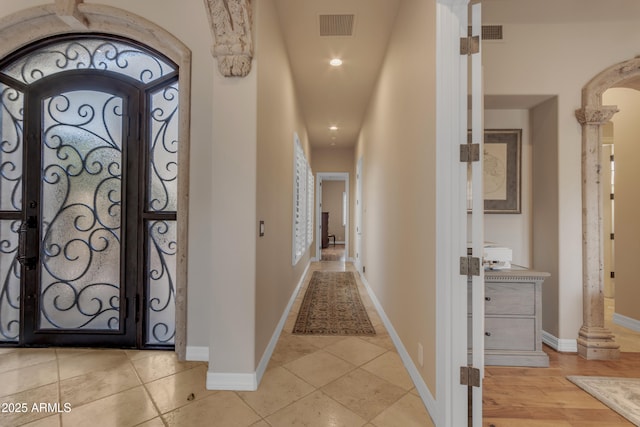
(595, 340)
(619, 211)
(332, 211)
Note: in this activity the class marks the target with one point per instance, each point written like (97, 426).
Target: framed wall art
(502, 156)
(501, 171)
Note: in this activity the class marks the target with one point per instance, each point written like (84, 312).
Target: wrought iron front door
(79, 239)
(89, 127)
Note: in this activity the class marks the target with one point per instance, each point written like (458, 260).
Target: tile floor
(310, 381)
(333, 253)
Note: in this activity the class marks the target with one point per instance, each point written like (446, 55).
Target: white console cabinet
(513, 318)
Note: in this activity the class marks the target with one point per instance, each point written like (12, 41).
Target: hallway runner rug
(332, 306)
(620, 394)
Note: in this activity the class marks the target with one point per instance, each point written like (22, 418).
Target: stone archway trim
(231, 22)
(594, 340)
(73, 16)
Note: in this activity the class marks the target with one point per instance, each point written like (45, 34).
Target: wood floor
(527, 397)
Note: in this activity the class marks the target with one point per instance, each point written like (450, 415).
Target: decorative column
(594, 340)
(230, 22)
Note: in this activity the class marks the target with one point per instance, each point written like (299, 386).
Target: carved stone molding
(597, 343)
(67, 10)
(596, 115)
(231, 22)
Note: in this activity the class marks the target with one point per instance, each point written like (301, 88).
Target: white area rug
(620, 394)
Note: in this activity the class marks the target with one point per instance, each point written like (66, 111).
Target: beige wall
(513, 230)
(275, 277)
(544, 128)
(626, 128)
(555, 48)
(332, 203)
(233, 225)
(398, 144)
(338, 160)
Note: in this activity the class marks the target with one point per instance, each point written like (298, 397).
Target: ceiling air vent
(336, 25)
(490, 32)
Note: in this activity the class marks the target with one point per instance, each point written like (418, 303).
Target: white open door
(460, 210)
(475, 231)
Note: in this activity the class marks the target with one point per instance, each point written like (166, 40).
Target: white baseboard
(250, 381)
(232, 381)
(562, 345)
(421, 386)
(197, 354)
(266, 356)
(626, 322)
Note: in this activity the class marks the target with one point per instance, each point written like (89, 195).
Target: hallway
(310, 381)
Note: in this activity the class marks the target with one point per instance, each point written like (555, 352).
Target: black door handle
(28, 262)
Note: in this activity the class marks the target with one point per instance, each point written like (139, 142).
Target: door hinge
(612, 274)
(469, 153)
(611, 196)
(469, 45)
(612, 236)
(469, 266)
(469, 376)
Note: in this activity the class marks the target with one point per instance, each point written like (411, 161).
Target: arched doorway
(594, 340)
(41, 22)
(89, 131)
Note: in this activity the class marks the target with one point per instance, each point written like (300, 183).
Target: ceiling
(335, 96)
(331, 96)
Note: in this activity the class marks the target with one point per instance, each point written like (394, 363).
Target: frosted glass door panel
(81, 211)
(10, 285)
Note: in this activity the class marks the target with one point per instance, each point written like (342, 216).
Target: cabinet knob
(488, 334)
(487, 298)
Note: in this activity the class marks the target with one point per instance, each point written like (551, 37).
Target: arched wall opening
(595, 341)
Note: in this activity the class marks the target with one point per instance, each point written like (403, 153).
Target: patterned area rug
(332, 306)
(620, 394)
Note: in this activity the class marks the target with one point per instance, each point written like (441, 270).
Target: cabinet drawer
(508, 299)
(509, 334)
(504, 333)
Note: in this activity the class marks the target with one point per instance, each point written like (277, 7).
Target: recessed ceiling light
(336, 62)
(333, 128)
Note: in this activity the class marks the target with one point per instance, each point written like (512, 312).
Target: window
(302, 202)
(310, 183)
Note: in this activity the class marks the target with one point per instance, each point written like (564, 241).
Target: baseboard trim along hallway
(251, 381)
(421, 387)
